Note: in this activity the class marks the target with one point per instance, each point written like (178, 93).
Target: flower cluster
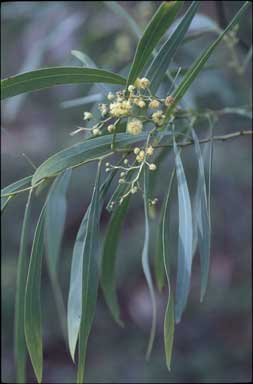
(137, 106)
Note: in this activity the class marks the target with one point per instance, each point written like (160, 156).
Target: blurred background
(213, 342)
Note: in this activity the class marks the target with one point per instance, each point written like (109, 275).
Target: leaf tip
(168, 366)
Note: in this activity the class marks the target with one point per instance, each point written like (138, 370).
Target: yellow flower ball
(134, 126)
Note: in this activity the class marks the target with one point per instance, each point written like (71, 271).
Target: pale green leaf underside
(202, 219)
(49, 77)
(158, 25)
(184, 262)
(169, 321)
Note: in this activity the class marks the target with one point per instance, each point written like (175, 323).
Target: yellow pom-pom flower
(154, 104)
(149, 151)
(158, 118)
(169, 101)
(134, 126)
(142, 83)
(140, 157)
(119, 109)
(152, 167)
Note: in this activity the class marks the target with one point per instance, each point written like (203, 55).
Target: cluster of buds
(134, 170)
(142, 154)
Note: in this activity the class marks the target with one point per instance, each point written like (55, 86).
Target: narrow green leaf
(22, 268)
(201, 60)
(75, 287)
(196, 205)
(108, 279)
(184, 238)
(145, 264)
(161, 62)
(81, 153)
(203, 224)
(153, 33)
(158, 261)
(169, 328)
(33, 329)
(55, 216)
(13, 188)
(161, 239)
(49, 77)
(90, 277)
(169, 322)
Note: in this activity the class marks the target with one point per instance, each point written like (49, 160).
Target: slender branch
(216, 138)
(242, 111)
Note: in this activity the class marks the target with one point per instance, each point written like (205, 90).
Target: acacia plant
(130, 134)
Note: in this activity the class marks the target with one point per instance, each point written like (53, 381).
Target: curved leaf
(22, 268)
(13, 188)
(146, 267)
(203, 224)
(75, 287)
(49, 77)
(169, 327)
(184, 238)
(90, 277)
(160, 64)
(158, 261)
(169, 322)
(162, 240)
(160, 22)
(32, 322)
(55, 215)
(81, 153)
(108, 282)
(201, 60)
